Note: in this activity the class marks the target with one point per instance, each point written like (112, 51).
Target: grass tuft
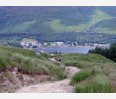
(28, 62)
(98, 84)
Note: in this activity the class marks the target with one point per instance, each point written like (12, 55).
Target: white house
(26, 43)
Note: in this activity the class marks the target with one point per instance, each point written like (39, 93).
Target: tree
(107, 52)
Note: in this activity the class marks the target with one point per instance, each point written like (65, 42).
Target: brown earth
(62, 86)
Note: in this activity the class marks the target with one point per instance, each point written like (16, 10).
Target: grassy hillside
(54, 19)
(107, 26)
(97, 73)
(97, 16)
(28, 62)
(81, 24)
(32, 69)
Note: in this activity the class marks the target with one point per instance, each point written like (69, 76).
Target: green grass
(107, 26)
(28, 62)
(97, 75)
(96, 84)
(82, 75)
(96, 81)
(98, 16)
(79, 60)
(94, 87)
(52, 20)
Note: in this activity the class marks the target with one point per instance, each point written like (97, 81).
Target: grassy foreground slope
(98, 74)
(28, 62)
(29, 67)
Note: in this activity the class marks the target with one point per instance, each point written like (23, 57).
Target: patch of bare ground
(62, 86)
(10, 82)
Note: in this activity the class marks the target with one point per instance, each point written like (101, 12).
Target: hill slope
(55, 19)
(19, 67)
(81, 24)
(97, 73)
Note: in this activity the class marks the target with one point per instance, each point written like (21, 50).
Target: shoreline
(65, 49)
(68, 46)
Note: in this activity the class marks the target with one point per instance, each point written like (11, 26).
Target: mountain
(57, 21)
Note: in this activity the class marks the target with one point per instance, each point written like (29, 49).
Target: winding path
(62, 86)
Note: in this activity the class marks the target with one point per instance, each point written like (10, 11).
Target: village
(33, 43)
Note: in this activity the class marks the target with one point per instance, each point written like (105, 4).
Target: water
(66, 49)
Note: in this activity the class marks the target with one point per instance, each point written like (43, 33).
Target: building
(97, 45)
(102, 45)
(29, 43)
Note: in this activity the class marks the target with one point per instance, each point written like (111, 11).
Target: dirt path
(62, 86)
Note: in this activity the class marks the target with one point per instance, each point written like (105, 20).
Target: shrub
(107, 52)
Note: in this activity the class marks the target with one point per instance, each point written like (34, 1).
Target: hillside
(97, 73)
(83, 24)
(55, 19)
(20, 67)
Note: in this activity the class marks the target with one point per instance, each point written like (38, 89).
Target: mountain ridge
(55, 19)
(83, 24)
